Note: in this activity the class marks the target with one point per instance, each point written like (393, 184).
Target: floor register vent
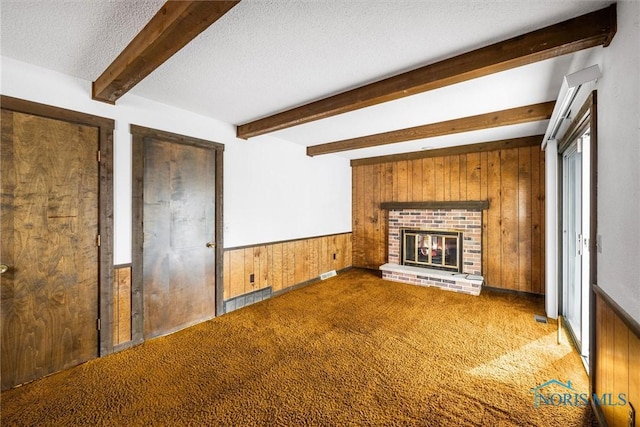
(540, 319)
(328, 274)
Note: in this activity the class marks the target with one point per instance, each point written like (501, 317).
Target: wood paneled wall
(283, 264)
(121, 305)
(617, 364)
(511, 179)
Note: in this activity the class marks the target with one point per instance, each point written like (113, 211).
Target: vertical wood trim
(219, 231)
(106, 238)
(137, 303)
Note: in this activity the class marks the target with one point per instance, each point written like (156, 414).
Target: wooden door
(49, 224)
(179, 217)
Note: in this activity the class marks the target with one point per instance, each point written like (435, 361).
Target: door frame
(573, 149)
(587, 117)
(104, 317)
(139, 134)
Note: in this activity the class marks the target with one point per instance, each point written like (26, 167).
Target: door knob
(211, 245)
(4, 268)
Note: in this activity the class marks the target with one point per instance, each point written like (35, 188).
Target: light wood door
(49, 224)
(179, 257)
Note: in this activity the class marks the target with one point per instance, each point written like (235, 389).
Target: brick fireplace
(435, 219)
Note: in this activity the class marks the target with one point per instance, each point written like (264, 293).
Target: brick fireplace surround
(452, 216)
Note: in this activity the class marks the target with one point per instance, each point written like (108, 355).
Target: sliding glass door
(575, 207)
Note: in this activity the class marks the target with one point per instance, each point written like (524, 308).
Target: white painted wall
(272, 190)
(619, 163)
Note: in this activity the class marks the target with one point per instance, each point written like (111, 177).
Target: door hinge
(98, 324)
(98, 240)
(99, 156)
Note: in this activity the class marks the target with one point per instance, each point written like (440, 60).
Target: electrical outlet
(252, 278)
(632, 416)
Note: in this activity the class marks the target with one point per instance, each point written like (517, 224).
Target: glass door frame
(585, 119)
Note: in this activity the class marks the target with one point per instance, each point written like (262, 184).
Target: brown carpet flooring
(348, 351)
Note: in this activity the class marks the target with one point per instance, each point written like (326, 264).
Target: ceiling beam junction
(512, 116)
(172, 27)
(481, 147)
(583, 32)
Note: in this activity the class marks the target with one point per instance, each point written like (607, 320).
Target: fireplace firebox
(436, 249)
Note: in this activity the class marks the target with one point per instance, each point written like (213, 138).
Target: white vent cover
(328, 274)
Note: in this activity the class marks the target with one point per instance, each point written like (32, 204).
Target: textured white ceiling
(79, 38)
(265, 56)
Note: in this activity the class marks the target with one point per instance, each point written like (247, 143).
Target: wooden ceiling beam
(512, 116)
(590, 30)
(482, 147)
(175, 25)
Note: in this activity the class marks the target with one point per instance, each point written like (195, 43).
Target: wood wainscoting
(512, 180)
(282, 265)
(279, 265)
(121, 305)
(617, 360)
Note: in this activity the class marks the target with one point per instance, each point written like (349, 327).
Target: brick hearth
(465, 220)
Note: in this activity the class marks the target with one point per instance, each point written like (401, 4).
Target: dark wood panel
(508, 184)
(179, 220)
(471, 204)
(185, 200)
(105, 129)
(50, 221)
